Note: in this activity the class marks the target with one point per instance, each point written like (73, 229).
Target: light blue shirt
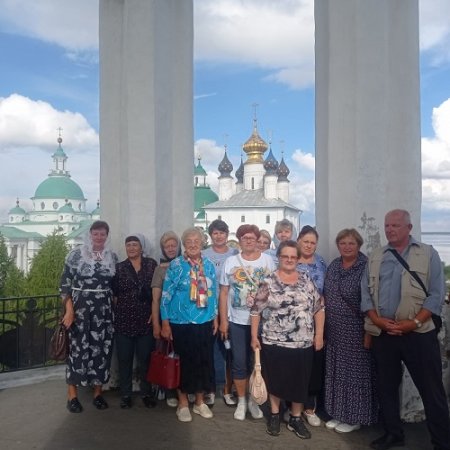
(176, 305)
(390, 284)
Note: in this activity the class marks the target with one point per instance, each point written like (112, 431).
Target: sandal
(99, 402)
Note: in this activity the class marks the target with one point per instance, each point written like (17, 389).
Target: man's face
(396, 228)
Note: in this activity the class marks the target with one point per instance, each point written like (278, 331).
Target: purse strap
(249, 278)
(406, 266)
(257, 360)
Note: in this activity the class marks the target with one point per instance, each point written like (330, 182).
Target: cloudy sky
(246, 52)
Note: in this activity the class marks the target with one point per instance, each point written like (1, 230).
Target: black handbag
(58, 349)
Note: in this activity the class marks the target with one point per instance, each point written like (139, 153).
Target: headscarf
(106, 257)
(167, 236)
(145, 244)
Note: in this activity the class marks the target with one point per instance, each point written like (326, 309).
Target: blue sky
(246, 51)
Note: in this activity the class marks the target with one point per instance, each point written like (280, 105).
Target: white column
(226, 187)
(367, 116)
(146, 122)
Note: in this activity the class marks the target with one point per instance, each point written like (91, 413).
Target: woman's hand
(223, 328)
(255, 344)
(166, 331)
(68, 318)
(318, 342)
(215, 326)
(367, 344)
(157, 331)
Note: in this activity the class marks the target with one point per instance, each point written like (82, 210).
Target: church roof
(271, 164)
(16, 233)
(59, 187)
(203, 195)
(225, 166)
(17, 209)
(198, 169)
(66, 208)
(251, 199)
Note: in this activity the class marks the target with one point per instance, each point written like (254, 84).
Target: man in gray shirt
(399, 311)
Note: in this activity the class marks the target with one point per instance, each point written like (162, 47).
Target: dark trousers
(126, 348)
(421, 355)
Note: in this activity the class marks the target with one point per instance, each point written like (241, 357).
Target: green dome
(203, 195)
(66, 208)
(17, 210)
(199, 170)
(59, 187)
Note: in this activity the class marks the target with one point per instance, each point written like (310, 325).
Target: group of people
(335, 334)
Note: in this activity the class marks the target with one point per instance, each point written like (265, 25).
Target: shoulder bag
(257, 386)
(58, 349)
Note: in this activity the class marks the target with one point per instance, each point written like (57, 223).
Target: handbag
(164, 368)
(256, 384)
(58, 348)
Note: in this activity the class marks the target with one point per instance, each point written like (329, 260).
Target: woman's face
(263, 243)
(284, 234)
(98, 238)
(219, 238)
(307, 244)
(248, 242)
(133, 249)
(171, 248)
(288, 259)
(348, 247)
(193, 245)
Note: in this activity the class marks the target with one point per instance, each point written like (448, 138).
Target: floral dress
(91, 334)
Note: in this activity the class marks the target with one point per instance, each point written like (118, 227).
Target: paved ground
(34, 417)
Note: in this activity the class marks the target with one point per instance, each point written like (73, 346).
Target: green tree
(47, 266)
(5, 263)
(15, 282)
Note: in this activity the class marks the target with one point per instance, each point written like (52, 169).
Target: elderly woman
(264, 240)
(170, 245)
(189, 317)
(291, 312)
(133, 331)
(349, 370)
(239, 280)
(86, 293)
(314, 265)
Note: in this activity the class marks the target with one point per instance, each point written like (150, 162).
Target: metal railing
(26, 326)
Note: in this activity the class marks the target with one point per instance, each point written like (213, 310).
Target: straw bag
(257, 386)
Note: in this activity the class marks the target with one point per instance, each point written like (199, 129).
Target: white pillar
(225, 187)
(367, 116)
(146, 122)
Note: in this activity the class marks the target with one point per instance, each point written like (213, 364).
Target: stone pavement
(34, 416)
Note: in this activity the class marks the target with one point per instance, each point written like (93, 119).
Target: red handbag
(164, 368)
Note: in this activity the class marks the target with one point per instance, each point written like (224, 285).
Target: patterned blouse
(287, 311)
(316, 271)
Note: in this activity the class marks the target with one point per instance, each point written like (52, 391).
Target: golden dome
(255, 147)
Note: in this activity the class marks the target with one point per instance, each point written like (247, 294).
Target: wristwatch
(418, 323)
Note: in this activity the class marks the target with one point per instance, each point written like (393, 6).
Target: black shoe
(125, 402)
(74, 406)
(273, 425)
(387, 441)
(99, 402)
(149, 402)
(297, 425)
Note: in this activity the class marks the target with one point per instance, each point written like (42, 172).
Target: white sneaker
(172, 402)
(202, 410)
(332, 424)
(210, 398)
(183, 414)
(240, 412)
(229, 400)
(254, 410)
(312, 419)
(346, 428)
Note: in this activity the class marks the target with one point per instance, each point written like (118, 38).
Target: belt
(91, 290)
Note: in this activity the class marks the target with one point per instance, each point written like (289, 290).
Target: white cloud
(70, 24)
(436, 168)
(435, 28)
(278, 36)
(304, 160)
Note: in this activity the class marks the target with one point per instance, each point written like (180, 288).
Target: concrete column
(367, 117)
(146, 121)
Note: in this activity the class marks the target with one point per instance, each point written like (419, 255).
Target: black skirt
(287, 371)
(193, 344)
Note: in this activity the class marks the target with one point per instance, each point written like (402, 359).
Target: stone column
(146, 120)
(367, 117)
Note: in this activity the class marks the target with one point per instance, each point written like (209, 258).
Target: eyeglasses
(248, 239)
(288, 258)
